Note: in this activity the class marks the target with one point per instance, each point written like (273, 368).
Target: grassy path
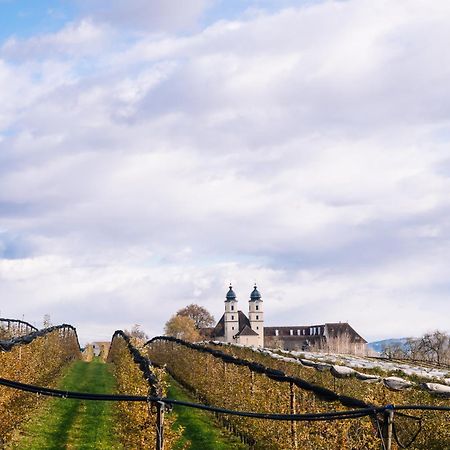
(200, 426)
(83, 425)
(75, 424)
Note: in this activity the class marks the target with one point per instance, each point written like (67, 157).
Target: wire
(277, 375)
(334, 415)
(422, 408)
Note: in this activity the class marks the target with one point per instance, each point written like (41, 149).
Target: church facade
(236, 327)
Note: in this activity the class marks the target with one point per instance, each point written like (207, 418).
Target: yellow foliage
(182, 327)
(137, 424)
(235, 387)
(39, 362)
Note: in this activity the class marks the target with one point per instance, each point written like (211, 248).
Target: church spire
(256, 314)
(230, 294)
(255, 295)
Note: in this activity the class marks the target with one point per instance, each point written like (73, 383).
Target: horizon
(85, 341)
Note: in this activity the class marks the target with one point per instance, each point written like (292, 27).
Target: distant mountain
(378, 346)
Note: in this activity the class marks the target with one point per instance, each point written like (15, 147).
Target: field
(227, 378)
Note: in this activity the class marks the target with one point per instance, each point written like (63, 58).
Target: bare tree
(137, 336)
(46, 321)
(136, 332)
(435, 346)
(392, 351)
(411, 349)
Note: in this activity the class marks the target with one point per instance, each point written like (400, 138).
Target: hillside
(378, 346)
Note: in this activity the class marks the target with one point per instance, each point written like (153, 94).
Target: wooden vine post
(389, 424)
(293, 408)
(160, 425)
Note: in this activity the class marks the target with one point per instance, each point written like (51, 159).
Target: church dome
(255, 295)
(231, 295)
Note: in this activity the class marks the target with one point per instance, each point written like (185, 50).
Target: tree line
(432, 347)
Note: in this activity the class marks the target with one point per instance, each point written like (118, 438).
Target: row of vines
(435, 432)
(232, 386)
(218, 378)
(136, 376)
(236, 387)
(37, 359)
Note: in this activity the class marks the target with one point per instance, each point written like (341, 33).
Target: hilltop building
(235, 327)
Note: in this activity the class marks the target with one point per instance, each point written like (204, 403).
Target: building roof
(334, 330)
(246, 331)
(219, 329)
(255, 295)
(328, 330)
(230, 295)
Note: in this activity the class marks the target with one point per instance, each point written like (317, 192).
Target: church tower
(231, 317)
(256, 315)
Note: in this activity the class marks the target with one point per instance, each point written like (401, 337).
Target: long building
(235, 327)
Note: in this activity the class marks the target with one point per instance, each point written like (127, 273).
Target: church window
(257, 317)
(257, 307)
(232, 328)
(257, 328)
(232, 317)
(232, 307)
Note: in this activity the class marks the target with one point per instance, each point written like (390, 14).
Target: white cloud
(305, 148)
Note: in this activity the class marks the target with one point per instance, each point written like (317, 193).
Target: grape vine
(37, 358)
(136, 376)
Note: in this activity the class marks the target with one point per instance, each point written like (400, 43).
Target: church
(235, 327)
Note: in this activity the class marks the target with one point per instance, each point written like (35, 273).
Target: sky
(153, 151)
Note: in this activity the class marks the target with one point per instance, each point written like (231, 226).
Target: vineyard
(36, 358)
(266, 400)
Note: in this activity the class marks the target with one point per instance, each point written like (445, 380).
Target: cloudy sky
(152, 151)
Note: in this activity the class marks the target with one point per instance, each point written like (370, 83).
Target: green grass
(200, 427)
(74, 424)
